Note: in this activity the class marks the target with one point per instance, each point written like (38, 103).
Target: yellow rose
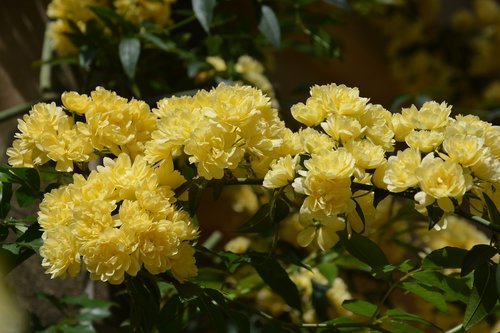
(424, 141)
(464, 149)
(367, 154)
(331, 164)
(400, 172)
(282, 172)
(342, 128)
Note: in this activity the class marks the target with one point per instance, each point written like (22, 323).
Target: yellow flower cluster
(117, 220)
(121, 217)
(110, 123)
(70, 14)
(65, 13)
(48, 133)
(350, 141)
(228, 128)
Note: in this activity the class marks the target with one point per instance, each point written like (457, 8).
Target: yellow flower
(118, 125)
(441, 180)
(314, 142)
(487, 167)
(238, 106)
(247, 64)
(319, 226)
(60, 253)
(109, 256)
(342, 128)
(128, 177)
(464, 149)
(400, 174)
(184, 263)
(138, 11)
(179, 117)
(238, 245)
(431, 116)
(56, 209)
(214, 148)
(282, 172)
(332, 196)
(492, 139)
(75, 102)
(332, 164)
(401, 127)
(424, 141)
(329, 99)
(217, 63)
(366, 154)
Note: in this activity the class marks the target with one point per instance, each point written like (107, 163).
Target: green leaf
(403, 315)
(26, 176)
(434, 214)
(277, 278)
(477, 256)
(213, 311)
(86, 57)
(447, 257)
(25, 197)
(259, 222)
(129, 51)
(166, 46)
(6, 195)
(145, 302)
(402, 327)
(242, 320)
(195, 194)
(170, 316)
(483, 296)
(204, 12)
(278, 210)
(427, 293)
(328, 270)
(378, 196)
(492, 210)
(360, 307)
(453, 288)
(320, 300)
(364, 249)
(269, 26)
(343, 4)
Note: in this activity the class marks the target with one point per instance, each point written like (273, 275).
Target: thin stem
(390, 290)
(457, 329)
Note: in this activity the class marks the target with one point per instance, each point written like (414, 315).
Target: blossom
(431, 116)
(45, 134)
(332, 196)
(282, 172)
(60, 252)
(214, 148)
(342, 128)
(400, 172)
(366, 154)
(464, 149)
(319, 226)
(424, 141)
(238, 245)
(183, 263)
(441, 180)
(138, 11)
(108, 257)
(331, 164)
(329, 99)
